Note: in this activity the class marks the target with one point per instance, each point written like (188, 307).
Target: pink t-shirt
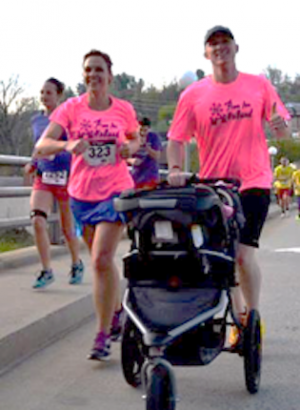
(100, 172)
(227, 121)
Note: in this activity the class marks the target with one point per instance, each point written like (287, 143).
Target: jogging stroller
(180, 269)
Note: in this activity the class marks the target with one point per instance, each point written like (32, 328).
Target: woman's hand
(125, 151)
(29, 169)
(77, 147)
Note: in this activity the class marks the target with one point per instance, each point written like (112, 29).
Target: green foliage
(194, 157)
(166, 112)
(288, 89)
(286, 148)
(11, 239)
(162, 126)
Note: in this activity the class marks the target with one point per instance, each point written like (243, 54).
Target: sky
(156, 40)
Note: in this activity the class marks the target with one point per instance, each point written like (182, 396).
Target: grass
(11, 239)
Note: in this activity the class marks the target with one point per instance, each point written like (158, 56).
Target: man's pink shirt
(96, 183)
(227, 121)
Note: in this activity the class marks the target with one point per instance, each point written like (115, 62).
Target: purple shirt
(62, 160)
(146, 168)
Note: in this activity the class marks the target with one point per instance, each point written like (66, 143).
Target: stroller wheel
(132, 356)
(252, 352)
(160, 393)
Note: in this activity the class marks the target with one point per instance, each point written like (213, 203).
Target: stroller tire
(132, 357)
(160, 394)
(252, 352)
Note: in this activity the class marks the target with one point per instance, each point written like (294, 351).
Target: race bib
(55, 178)
(101, 153)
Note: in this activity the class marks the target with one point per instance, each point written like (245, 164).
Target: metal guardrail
(17, 192)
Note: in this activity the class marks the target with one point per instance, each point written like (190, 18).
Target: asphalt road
(60, 378)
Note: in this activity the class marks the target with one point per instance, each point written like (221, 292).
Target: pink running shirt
(227, 121)
(90, 179)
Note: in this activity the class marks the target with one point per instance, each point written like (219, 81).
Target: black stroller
(180, 270)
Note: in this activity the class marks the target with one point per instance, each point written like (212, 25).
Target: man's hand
(176, 177)
(277, 122)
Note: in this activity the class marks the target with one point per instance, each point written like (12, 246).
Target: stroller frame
(146, 356)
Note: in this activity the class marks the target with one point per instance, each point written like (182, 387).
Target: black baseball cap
(217, 29)
(145, 122)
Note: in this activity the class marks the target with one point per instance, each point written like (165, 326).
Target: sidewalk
(31, 319)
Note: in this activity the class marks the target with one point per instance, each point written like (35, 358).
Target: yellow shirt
(296, 182)
(284, 175)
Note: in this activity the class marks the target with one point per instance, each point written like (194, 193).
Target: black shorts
(255, 203)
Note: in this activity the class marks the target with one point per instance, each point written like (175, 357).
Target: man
(145, 165)
(226, 113)
(283, 175)
(296, 189)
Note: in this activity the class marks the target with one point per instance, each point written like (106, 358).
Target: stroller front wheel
(161, 390)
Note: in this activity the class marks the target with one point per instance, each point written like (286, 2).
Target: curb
(26, 256)
(24, 342)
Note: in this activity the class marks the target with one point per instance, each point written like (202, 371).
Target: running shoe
(297, 218)
(101, 348)
(117, 325)
(76, 273)
(44, 279)
(235, 338)
(235, 335)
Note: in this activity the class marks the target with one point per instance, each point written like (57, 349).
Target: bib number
(101, 153)
(55, 178)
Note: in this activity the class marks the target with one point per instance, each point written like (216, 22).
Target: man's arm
(175, 155)
(280, 127)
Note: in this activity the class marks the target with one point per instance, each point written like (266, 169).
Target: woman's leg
(88, 236)
(67, 225)
(106, 290)
(41, 201)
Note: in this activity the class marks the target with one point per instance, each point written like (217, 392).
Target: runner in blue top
(50, 182)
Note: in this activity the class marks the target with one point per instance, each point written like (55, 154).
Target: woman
(50, 183)
(102, 133)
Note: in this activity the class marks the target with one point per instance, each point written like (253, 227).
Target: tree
(200, 73)
(80, 88)
(274, 76)
(15, 113)
(68, 93)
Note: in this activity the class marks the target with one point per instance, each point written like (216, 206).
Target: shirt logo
(228, 111)
(97, 129)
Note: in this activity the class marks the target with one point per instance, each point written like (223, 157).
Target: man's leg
(249, 276)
